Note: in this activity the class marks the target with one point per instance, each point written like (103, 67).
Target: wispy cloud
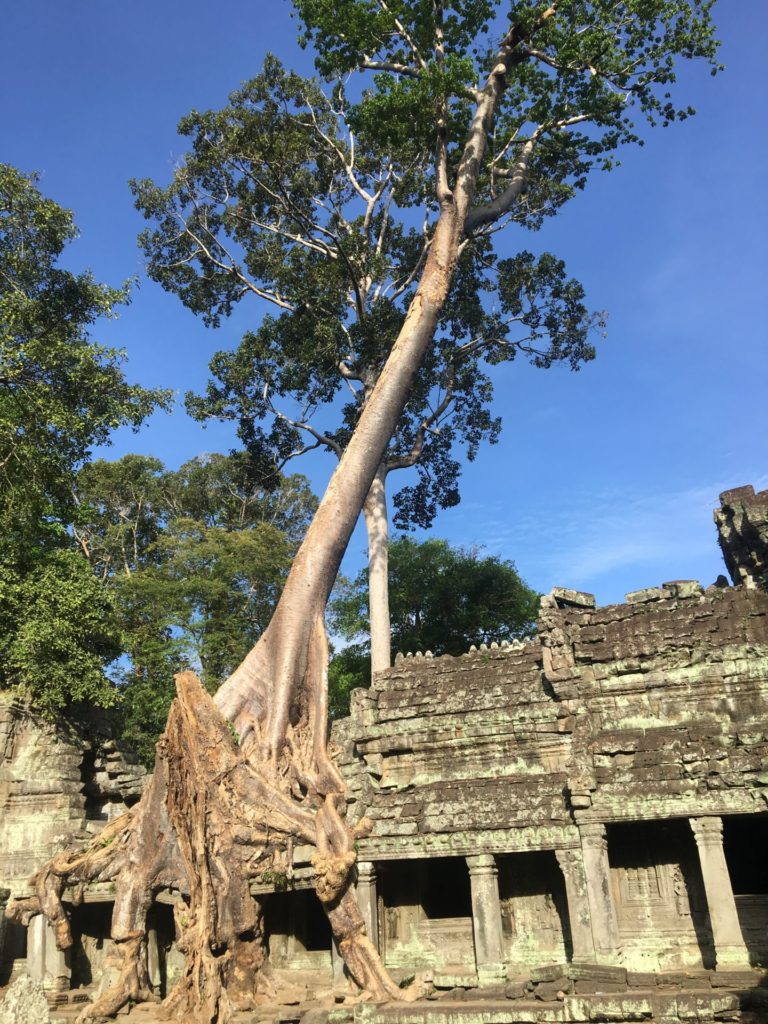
(612, 539)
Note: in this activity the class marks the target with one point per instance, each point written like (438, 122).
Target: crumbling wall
(56, 780)
(742, 528)
(651, 709)
(667, 698)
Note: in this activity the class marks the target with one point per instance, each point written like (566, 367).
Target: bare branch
(301, 424)
(490, 212)
(509, 55)
(406, 36)
(386, 65)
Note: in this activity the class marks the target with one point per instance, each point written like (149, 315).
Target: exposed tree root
(212, 819)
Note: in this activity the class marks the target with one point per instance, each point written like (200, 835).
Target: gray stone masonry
(486, 918)
(579, 915)
(730, 950)
(742, 526)
(597, 875)
(367, 898)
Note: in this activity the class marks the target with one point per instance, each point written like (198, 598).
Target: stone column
(367, 898)
(597, 874)
(486, 918)
(338, 969)
(153, 958)
(572, 865)
(4, 897)
(46, 963)
(730, 950)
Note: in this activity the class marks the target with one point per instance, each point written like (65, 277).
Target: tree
(541, 315)
(60, 394)
(346, 270)
(480, 132)
(443, 599)
(193, 562)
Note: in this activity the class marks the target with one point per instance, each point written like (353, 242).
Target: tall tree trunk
(377, 527)
(258, 696)
(218, 813)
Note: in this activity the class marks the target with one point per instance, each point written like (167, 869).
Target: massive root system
(218, 813)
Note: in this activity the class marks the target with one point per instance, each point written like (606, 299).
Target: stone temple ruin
(576, 825)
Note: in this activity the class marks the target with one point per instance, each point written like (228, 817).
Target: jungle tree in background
(192, 561)
(485, 112)
(443, 599)
(60, 395)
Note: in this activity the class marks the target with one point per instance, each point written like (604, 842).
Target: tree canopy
(476, 116)
(193, 561)
(341, 250)
(60, 395)
(443, 599)
(321, 197)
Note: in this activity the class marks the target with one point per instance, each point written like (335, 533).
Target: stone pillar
(572, 865)
(730, 950)
(46, 963)
(367, 898)
(338, 969)
(486, 918)
(597, 874)
(4, 897)
(153, 958)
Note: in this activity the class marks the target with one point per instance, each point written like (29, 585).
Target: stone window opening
(445, 889)
(534, 909)
(426, 914)
(659, 895)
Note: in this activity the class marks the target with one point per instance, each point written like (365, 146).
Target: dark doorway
(296, 919)
(659, 894)
(744, 843)
(445, 890)
(91, 927)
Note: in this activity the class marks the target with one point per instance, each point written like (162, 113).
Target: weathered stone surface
(742, 526)
(24, 1002)
(651, 711)
(55, 782)
(531, 804)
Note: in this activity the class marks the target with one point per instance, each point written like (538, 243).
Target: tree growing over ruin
(485, 112)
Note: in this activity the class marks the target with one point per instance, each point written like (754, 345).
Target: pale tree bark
(222, 810)
(377, 527)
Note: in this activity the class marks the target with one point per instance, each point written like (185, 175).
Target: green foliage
(60, 394)
(320, 196)
(194, 561)
(57, 633)
(442, 599)
(279, 880)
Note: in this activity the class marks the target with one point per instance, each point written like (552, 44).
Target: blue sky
(604, 480)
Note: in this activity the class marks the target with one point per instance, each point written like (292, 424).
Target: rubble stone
(24, 1002)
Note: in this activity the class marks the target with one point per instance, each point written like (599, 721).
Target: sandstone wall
(57, 782)
(653, 709)
(742, 526)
